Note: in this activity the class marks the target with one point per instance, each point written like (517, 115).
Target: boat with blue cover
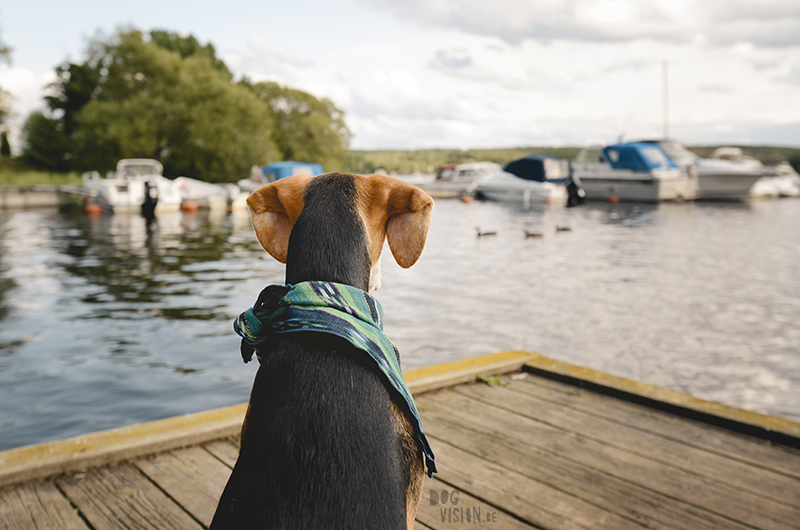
(260, 176)
(634, 171)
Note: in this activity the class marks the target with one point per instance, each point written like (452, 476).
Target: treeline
(430, 160)
(168, 97)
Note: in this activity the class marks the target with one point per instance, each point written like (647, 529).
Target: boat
(137, 183)
(457, 180)
(536, 178)
(778, 181)
(452, 180)
(633, 171)
(211, 196)
(718, 178)
(259, 176)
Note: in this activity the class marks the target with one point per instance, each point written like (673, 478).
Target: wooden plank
(530, 500)
(463, 514)
(33, 506)
(746, 477)
(783, 460)
(629, 501)
(722, 499)
(547, 455)
(192, 477)
(120, 497)
(224, 450)
(781, 430)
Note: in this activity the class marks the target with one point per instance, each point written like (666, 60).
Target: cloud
(451, 59)
(265, 61)
(27, 91)
(771, 23)
(715, 89)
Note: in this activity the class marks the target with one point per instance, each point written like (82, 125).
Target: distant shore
(16, 173)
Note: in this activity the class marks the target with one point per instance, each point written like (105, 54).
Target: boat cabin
(467, 172)
(138, 167)
(541, 168)
(278, 170)
(638, 156)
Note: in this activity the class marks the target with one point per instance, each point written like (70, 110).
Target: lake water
(104, 322)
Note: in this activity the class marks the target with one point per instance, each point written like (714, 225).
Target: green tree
(133, 97)
(307, 128)
(188, 46)
(47, 145)
(5, 107)
(5, 147)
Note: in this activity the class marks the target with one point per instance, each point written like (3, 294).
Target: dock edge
(773, 428)
(40, 461)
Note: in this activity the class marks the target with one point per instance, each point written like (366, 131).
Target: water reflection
(141, 265)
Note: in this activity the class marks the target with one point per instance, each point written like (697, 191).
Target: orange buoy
(613, 200)
(549, 200)
(93, 209)
(467, 199)
(189, 206)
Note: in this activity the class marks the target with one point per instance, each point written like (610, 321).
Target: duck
(563, 229)
(533, 234)
(481, 234)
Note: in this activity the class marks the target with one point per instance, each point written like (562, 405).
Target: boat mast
(666, 102)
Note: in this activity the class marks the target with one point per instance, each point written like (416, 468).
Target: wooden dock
(544, 445)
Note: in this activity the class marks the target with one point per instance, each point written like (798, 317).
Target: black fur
(320, 448)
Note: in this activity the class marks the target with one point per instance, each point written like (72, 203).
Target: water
(104, 322)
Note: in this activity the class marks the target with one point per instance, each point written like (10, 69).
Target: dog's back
(324, 443)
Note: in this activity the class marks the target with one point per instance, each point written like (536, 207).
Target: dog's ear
(274, 209)
(408, 210)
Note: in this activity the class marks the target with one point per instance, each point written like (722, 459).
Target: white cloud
(265, 61)
(27, 90)
(767, 22)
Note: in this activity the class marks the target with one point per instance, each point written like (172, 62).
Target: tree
(5, 147)
(132, 97)
(48, 147)
(307, 128)
(188, 46)
(5, 57)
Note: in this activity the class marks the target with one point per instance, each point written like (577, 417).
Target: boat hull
(524, 191)
(726, 186)
(643, 190)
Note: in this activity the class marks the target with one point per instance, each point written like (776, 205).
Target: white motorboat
(456, 180)
(452, 181)
(211, 196)
(137, 182)
(537, 178)
(633, 171)
(779, 181)
(717, 178)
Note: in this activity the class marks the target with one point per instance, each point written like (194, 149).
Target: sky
(470, 73)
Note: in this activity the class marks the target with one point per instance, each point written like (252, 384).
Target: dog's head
(388, 209)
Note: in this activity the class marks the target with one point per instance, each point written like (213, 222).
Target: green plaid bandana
(333, 308)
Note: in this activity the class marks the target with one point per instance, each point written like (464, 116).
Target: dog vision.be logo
(451, 512)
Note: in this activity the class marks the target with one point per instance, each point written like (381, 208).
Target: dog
(326, 443)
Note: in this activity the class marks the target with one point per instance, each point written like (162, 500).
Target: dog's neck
(328, 240)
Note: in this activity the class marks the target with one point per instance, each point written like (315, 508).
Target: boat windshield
(590, 154)
(135, 170)
(677, 152)
(556, 168)
(446, 173)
